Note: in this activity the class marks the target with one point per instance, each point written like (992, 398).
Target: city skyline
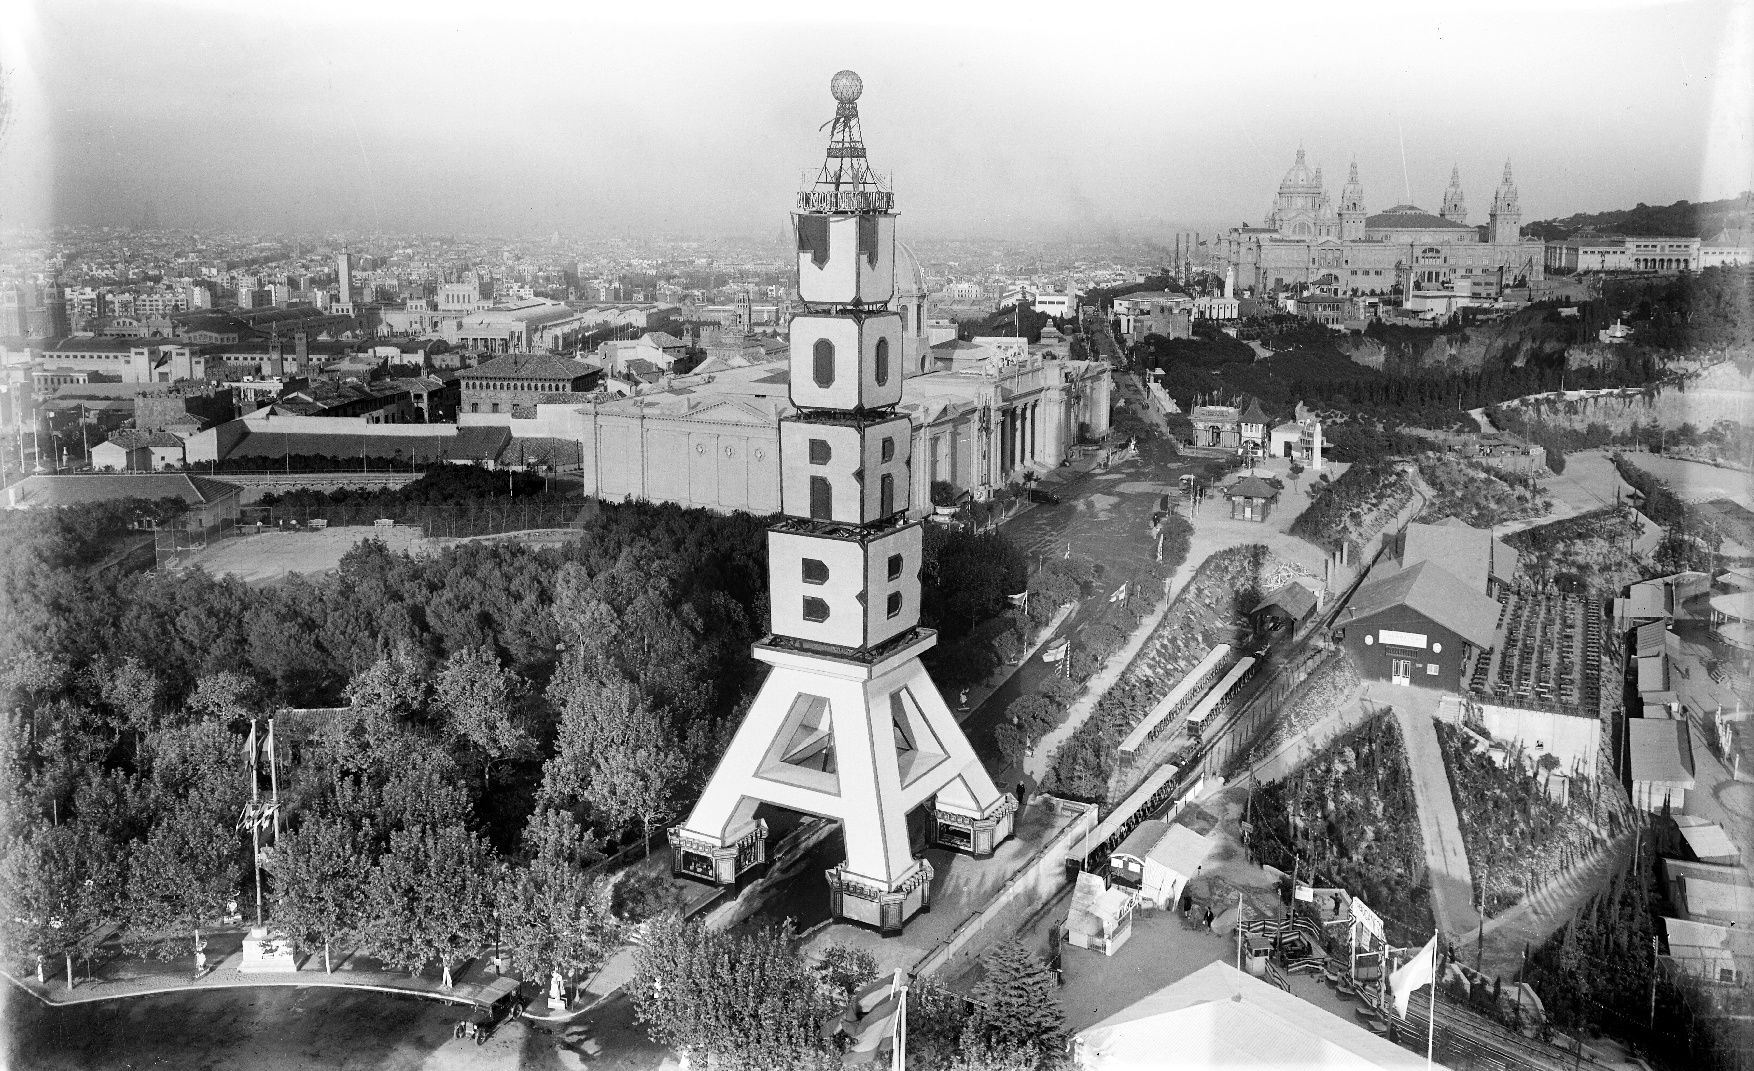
(395, 118)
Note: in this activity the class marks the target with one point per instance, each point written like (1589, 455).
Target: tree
(616, 754)
(737, 1001)
(553, 918)
(476, 697)
(1015, 1007)
(433, 896)
(57, 885)
(184, 874)
(321, 871)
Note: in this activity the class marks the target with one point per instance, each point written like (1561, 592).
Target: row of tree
(750, 1001)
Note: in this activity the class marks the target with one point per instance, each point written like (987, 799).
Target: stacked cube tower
(848, 725)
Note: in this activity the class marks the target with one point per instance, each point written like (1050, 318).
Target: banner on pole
(1367, 919)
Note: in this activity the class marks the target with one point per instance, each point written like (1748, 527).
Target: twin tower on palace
(848, 726)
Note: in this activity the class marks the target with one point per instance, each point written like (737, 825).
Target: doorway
(1401, 671)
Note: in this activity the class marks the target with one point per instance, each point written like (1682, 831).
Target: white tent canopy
(1202, 1023)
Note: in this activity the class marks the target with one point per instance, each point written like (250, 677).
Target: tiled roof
(132, 439)
(529, 366)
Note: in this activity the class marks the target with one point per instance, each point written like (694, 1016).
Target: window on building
(1431, 670)
(496, 407)
(882, 362)
(815, 609)
(886, 495)
(895, 567)
(822, 363)
(821, 499)
(815, 572)
(889, 448)
(895, 604)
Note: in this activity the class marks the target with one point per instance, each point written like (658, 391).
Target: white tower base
(861, 741)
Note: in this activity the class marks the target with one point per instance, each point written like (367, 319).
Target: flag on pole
(1418, 971)
(250, 753)
(1119, 593)
(1056, 652)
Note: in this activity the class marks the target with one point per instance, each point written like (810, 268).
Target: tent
(1219, 1017)
(1159, 859)
(1101, 918)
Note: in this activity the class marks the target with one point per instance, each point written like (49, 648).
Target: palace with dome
(1344, 249)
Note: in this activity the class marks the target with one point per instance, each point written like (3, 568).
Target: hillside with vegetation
(1480, 495)
(1703, 219)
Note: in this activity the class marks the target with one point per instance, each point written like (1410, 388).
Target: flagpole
(1431, 1022)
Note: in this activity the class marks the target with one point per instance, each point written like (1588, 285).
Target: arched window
(882, 362)
(822, 363)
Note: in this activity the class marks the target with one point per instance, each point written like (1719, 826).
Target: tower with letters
(848, 725)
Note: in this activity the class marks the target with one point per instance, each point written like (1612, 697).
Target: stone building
(1309, 241)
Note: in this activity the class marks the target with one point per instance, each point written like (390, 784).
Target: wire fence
(476, 519)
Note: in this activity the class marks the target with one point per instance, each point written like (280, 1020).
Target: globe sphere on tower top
(846, 86)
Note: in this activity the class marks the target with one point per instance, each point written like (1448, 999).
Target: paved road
(1446, 859)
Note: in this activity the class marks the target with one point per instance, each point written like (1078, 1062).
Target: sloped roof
(1251, 487)
(1471, 554)
(1293, 598)
(1254, 414)
(132, 439)
(542, 450)
(1435, 593)
(42, 491)
(1660, 750)
(1219, 1016)
(475, 442)
(530, 366)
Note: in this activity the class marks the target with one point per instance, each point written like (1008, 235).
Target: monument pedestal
(886, 910)
(263, 953)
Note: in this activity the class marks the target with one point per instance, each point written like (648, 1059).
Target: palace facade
(1309, 241)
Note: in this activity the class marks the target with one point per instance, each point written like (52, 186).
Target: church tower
(1327, 223)
(1455, 206)
(847, 725)
(1352, 207)
(1505, 225)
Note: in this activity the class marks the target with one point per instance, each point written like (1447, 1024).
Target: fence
(490, 517)
(1039, 876)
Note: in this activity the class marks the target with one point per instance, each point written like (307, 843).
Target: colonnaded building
(984, 413)
(1347, 250)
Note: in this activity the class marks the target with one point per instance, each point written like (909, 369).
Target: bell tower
(1505, 221)
(1455, 207)
(848, 725)
(1352, 207)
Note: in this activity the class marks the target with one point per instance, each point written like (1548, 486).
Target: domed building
(1308, 242)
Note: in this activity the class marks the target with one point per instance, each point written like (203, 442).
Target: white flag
(1056, 652)
(1418, 971)
(1120, 593)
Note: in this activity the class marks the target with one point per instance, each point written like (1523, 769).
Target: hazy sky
(1001, 119)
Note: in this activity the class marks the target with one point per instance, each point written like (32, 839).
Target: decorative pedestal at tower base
(858, 899)
(974, 831)
(263, 953)
(704, 859)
